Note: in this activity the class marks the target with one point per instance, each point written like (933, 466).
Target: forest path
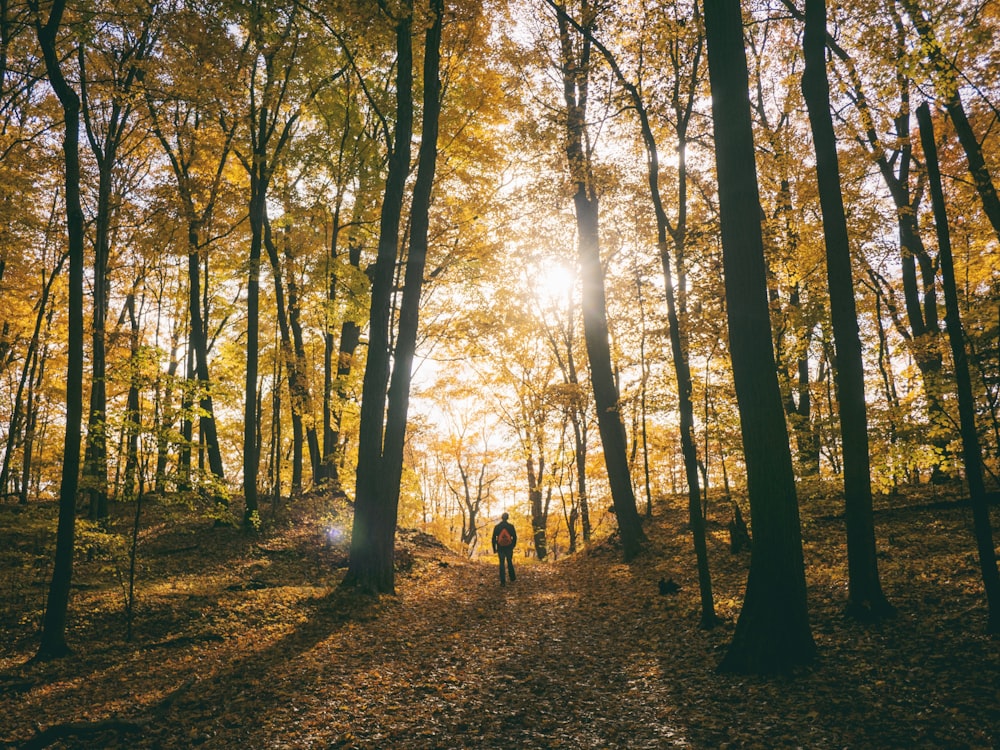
(557, 659)
(251, 644)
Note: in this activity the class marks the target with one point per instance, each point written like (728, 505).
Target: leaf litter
(248, 642)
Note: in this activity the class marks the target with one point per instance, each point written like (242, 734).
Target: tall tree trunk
(302, 384)
(95, 466)
(198, 363)
(678, 339)
(258, 213)
(53, 639)
(595, 324)
(865, 598)
(373, 533)
(966, 401)
(291, 365)
(772, 633)
(406, 340)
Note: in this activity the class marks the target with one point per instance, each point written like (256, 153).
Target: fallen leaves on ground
(249, 643)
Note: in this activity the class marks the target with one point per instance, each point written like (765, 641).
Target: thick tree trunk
(865, 598)
(373, 533)
(772, 633)
(409, 312)
(966, 400)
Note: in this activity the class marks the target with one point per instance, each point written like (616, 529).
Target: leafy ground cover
(249, 643)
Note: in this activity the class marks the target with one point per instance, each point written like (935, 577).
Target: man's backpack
(504, 539)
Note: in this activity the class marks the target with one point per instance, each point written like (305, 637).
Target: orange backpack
(504, 539)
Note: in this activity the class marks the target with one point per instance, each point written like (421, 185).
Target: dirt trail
(454, 661)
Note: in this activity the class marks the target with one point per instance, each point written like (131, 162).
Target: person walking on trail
(504, 541)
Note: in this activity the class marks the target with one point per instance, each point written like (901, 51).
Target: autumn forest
(703, 290)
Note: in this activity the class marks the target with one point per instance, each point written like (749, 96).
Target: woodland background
(197, 297)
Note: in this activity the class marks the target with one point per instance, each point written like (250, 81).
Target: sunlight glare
(554, 282)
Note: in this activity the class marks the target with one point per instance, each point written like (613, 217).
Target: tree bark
(53, 638)
(966, 400)
(678, 339)
(595, 323)
(772, 633)
(865, 598)
(373, 532)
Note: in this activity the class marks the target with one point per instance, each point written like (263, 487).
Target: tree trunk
(595, 324)
(199, 349)
(539, 519)
(406, 340)
(132, 415)
(865, 598)
(966, 400)
(95, 466)
(258, 213)
(373, 534)
(303, 391)
(297, 389)
(772, 633)
(53, 639)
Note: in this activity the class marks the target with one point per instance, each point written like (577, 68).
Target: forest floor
(247, 642)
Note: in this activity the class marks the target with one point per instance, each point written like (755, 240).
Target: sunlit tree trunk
(865, 597)
(575, 73)
(772, 633)
(966, 401)
(678, 342)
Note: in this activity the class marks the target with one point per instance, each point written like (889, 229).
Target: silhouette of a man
(504, 541)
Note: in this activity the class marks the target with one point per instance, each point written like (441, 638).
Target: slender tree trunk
(772, 633)
(258, 213)
(198, 362)
(966, 401)
(132, 415)
(595, 324)
(865, 598)
(302, 383)
(20, 413)
(291, 365)
(95, 467)
(31, 425)
(53, 638)
(539, 521)
(678, 342)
